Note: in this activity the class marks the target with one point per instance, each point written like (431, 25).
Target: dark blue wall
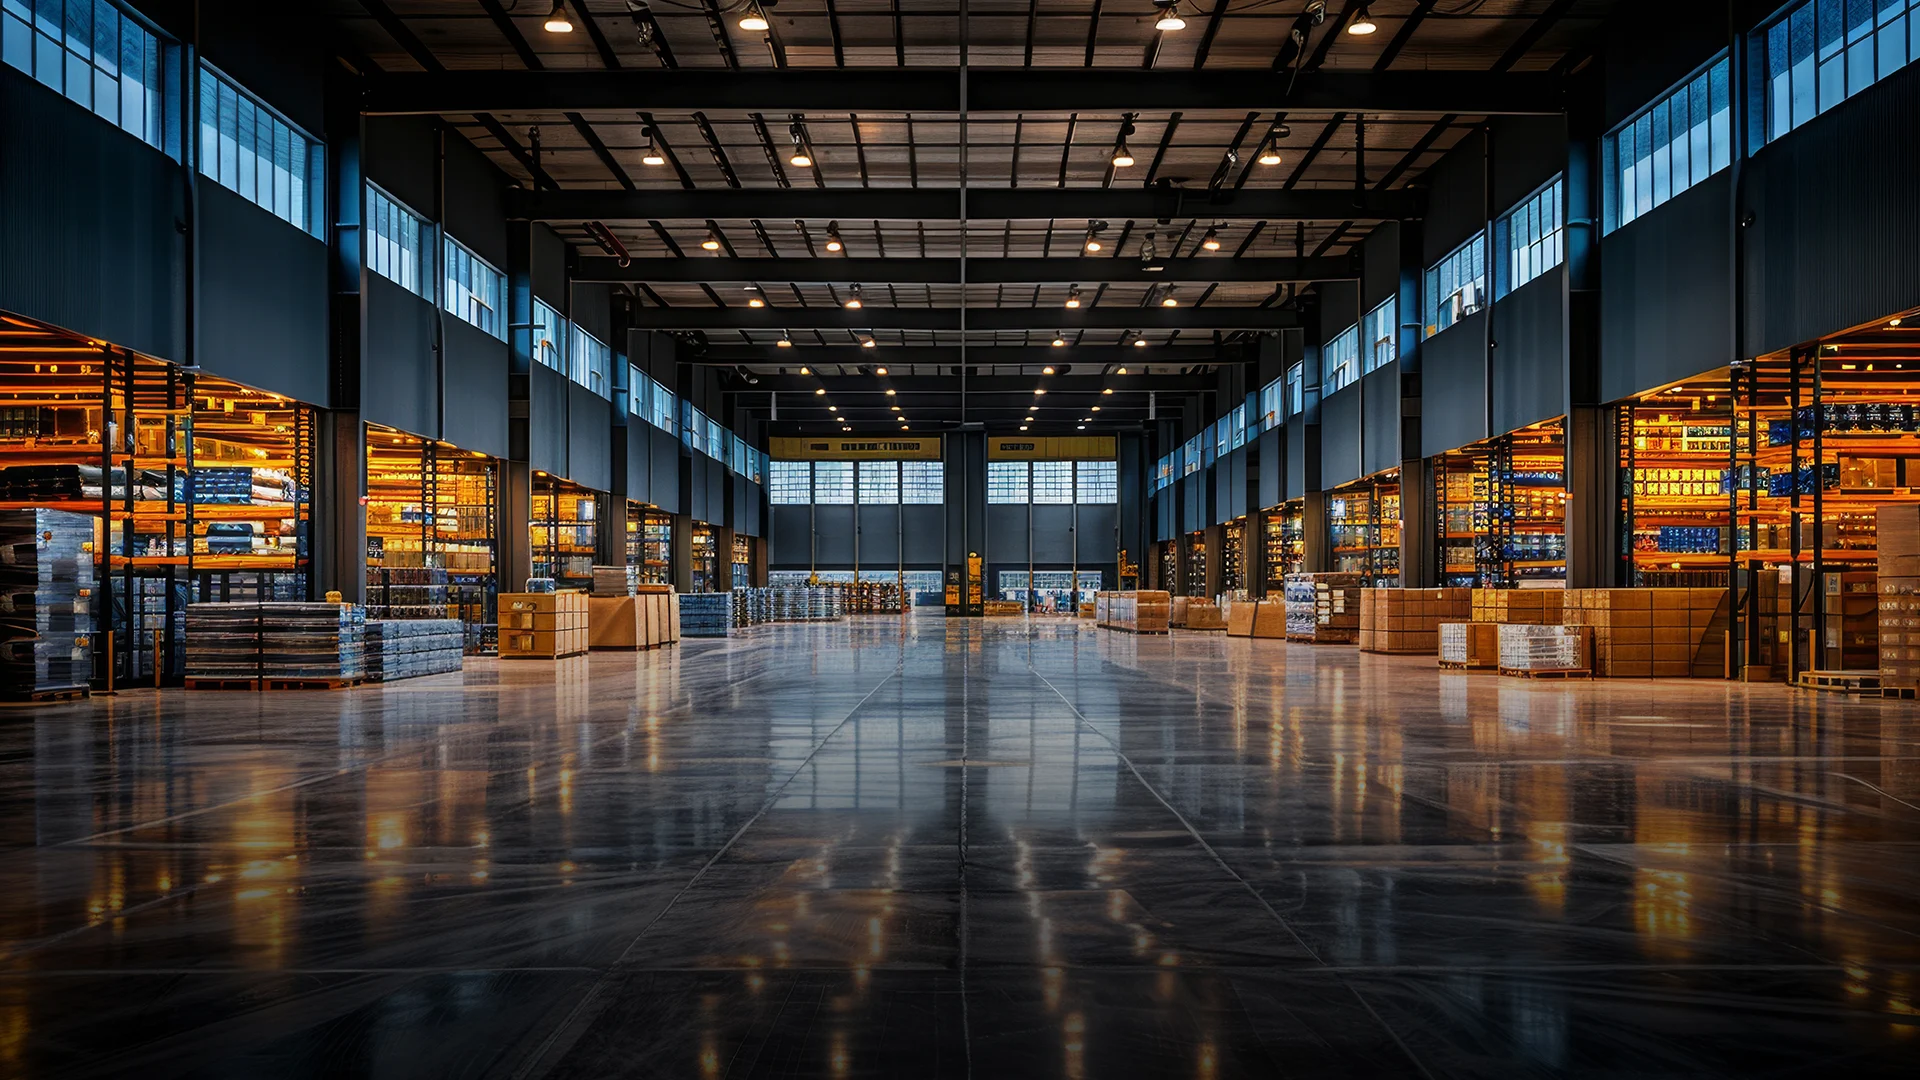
(1380, 400)
(923, 536)
(589, 438)
(1530, 360)
(791, 547)
(1457, 199)
(263, 299)
(476, 395)
(399, 387)
(1271, 447)
(1340, 433)
(1666, 293)
(880, 535)
(547, 420)
(1453, 386)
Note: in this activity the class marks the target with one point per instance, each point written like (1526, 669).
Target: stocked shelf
(1233, 556)
(650, 544)
(1363, 529)
(705, 560)
(1284, 533)
(563, 534)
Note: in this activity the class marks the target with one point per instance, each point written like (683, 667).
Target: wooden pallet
(271, 684)
(547, 656)
(1902, 693)
(1548, 673)
(1462, 665)
(57, 693)
(1846, 682)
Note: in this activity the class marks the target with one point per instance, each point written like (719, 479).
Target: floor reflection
(887, 848)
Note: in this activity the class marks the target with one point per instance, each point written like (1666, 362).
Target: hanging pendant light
(1170, 18)
(754, 20)
(557, 20)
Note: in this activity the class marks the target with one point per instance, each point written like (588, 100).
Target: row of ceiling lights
(754, 19)
(1170, 19)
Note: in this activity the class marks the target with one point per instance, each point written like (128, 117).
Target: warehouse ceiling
(957, 206)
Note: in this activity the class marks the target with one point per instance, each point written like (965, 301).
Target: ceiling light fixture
(1080, 427)
(1039, 391)
(1169, 18)
(904, 427)
(1096, 408)
(1093, 234)
(833, 238)
(754, 20)
(712, 242)
(819, 390)
(1895, 321)
(653, 156)
(1109, 389)
(880, 371)
(786, 342)
(1211, 241)
(1362, 24)
(1168, 300)
(1139, 343)
(1122, 371)
(1073, 296)
(853, 299)
(755, 300)
(557, 21)
(1058, 342)
(890, 391)
(1048, 370)
(1123, 157)
(868, 343)
(833, 408)
(800, 159)
(1023, 427)
(895, 408)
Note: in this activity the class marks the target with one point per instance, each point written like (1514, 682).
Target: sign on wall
(854, 448)
(1075, 448)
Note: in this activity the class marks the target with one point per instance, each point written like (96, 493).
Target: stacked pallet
(543, 626)
(46, 590)
(1257, 619)
(1535, 650)
(1177, 614)
(1537, 607)
(1652, 633)
(1002, 608)
(1202, 615)
(616, 580)
(1898, 538)
(410, 648)
(1469, 645)
(278, 643)
(705, 615)
(1323, 609)
(1143, 612)
(1407, 621)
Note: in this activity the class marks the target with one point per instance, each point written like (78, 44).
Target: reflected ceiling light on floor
(712, 242)
(557, 21)
(653, 156)
(1211, 241)
(754, 20)
(1073, 296)
(853, 300)
(799, 159)
(1169, 18)
(833, 238)
(1362, 24)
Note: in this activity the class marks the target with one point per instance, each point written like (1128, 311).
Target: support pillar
(1317, 556)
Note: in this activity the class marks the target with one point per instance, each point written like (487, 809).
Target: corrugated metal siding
(1380, 265)
(589, 438)
(1457, 205)
(923, 537)
(1835, 240)
(791, 545)
(73, 188)
(263, 299)
(1530, 363)
(1666, 293)
(399, 386)
(476, 389)
(1453, 386)
(879, 536)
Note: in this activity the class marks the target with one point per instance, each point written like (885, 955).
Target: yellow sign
(1077, 448)
(854, 448)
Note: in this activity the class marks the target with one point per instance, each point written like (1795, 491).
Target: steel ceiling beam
(989, 90)
(985, 319)
(1078, 357)
(842, 388)
(983, 204)
(980, 271)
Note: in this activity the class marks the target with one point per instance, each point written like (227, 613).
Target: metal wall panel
(922, 535)
(1666, 293)
(1008, 538)
(547, 421)
(592, 309)
(1380, 265)
(1457, 199)
(547, 254)
(694, 468)
(791, 545)
(399, 386)
(1527, 152)
(476, 204)
(639, 462)
(1530, 364)
(1380, 431)
(279, 52)
(879, 539)
(664, 489)
(833, 537)
(476, 395)
(748, 500)
(1340, 434)
(589, 438)
(1194, 502)
(1303, 457)
(716, 492)
(74, 187)
(1095, 538)
(1053, 535)
(1453, 386)
(263, 299)
(1273, 468)
(401, 155)
(1835, 239)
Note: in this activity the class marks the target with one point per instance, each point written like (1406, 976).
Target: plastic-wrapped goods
(616, 580)
(46, 601)
(409, 648)
(1532, 648)
(706, 615)
(276, 639)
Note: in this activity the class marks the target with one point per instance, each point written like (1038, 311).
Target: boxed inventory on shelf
(1323, 608)
(1531, 648)
(542, 626)
(630, 622)
(1898, 541)
(409, 648)
(1408, 620)
(276, 639)
(46, 590)
(1653, 633)
(1470, 644)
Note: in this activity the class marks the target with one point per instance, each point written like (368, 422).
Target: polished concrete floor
(988, 849)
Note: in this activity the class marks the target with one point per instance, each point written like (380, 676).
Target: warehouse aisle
(993, 849)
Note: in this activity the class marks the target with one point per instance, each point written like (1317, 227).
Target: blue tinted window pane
(49, 61)
(48, 15)
(1722, 121)
(18, 43)
(133, 67)
(106, 37)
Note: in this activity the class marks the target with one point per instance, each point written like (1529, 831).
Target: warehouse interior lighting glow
(557, 21)
(754, 20)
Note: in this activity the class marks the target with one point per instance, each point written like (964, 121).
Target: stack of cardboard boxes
(1257, 619)
(1530, 649)
(1204, 615)
(1652, 633)
(1144, 612)
(1898, 538)
(542, 626)
(1179, 611)
(1534, 607)
(1470, 644)
(1408, 620)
